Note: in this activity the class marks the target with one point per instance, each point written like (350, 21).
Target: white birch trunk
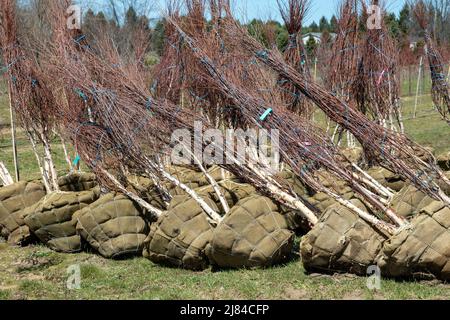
(42, 166)
(5, 176)
(374, 183)
(66, 154)
(214, 184)
(144, 204)
(50, 162)
(215, 218)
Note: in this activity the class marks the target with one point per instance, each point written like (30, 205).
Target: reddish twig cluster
(440, 89)
(293, 13)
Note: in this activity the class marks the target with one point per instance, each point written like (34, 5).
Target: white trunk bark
(51, 164)
(5, 176)
(374, 221)
(282, 196)
(374, 183)
(215, 218)
(66, 154)
(43, 170)
(154, 211)
(212, 181)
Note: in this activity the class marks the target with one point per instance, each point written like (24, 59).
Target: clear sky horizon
(247, 10)
(268, 9)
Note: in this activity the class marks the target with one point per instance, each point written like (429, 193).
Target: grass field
(36, 272)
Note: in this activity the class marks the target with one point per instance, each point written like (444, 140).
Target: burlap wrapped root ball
(218, 174)
(409, 201)
(147, 189)
(231, 191)
(75, 182)
(51, 219)
(423, 250)
(194, 178)
(341, 242)
(353, 154)
(113, 225)
(13, 200)
(387, 178)
(323, 201)
(443, 161)
(253, 234)
(179, 237)
(293, 182)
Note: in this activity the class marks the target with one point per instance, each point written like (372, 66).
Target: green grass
(140, 279)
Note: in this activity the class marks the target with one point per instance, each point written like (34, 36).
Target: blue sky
(268, 8)
(263, 9)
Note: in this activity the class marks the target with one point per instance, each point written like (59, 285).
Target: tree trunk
(13, 134)
(5, 177)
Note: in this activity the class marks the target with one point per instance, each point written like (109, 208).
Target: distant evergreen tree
(333, 24)
(323, 24)
(311, 48)
(392, 24)
(313, 27)
(404, 20)
(158, 37)
(131, 18)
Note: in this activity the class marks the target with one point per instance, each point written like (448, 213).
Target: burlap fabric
(445, 187)
(51, 219)
(443, 161)
(113, 225)
(293, 182)
(252, 234)
(353, 154)
(13, 200)
(179, 237)
(219, 174)
(387, 178)
(76, 182)
(341, 242)
(194, 178)
(146, 188)
(423, 250)
(322, 201)
(409, 201)
(232, 191)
